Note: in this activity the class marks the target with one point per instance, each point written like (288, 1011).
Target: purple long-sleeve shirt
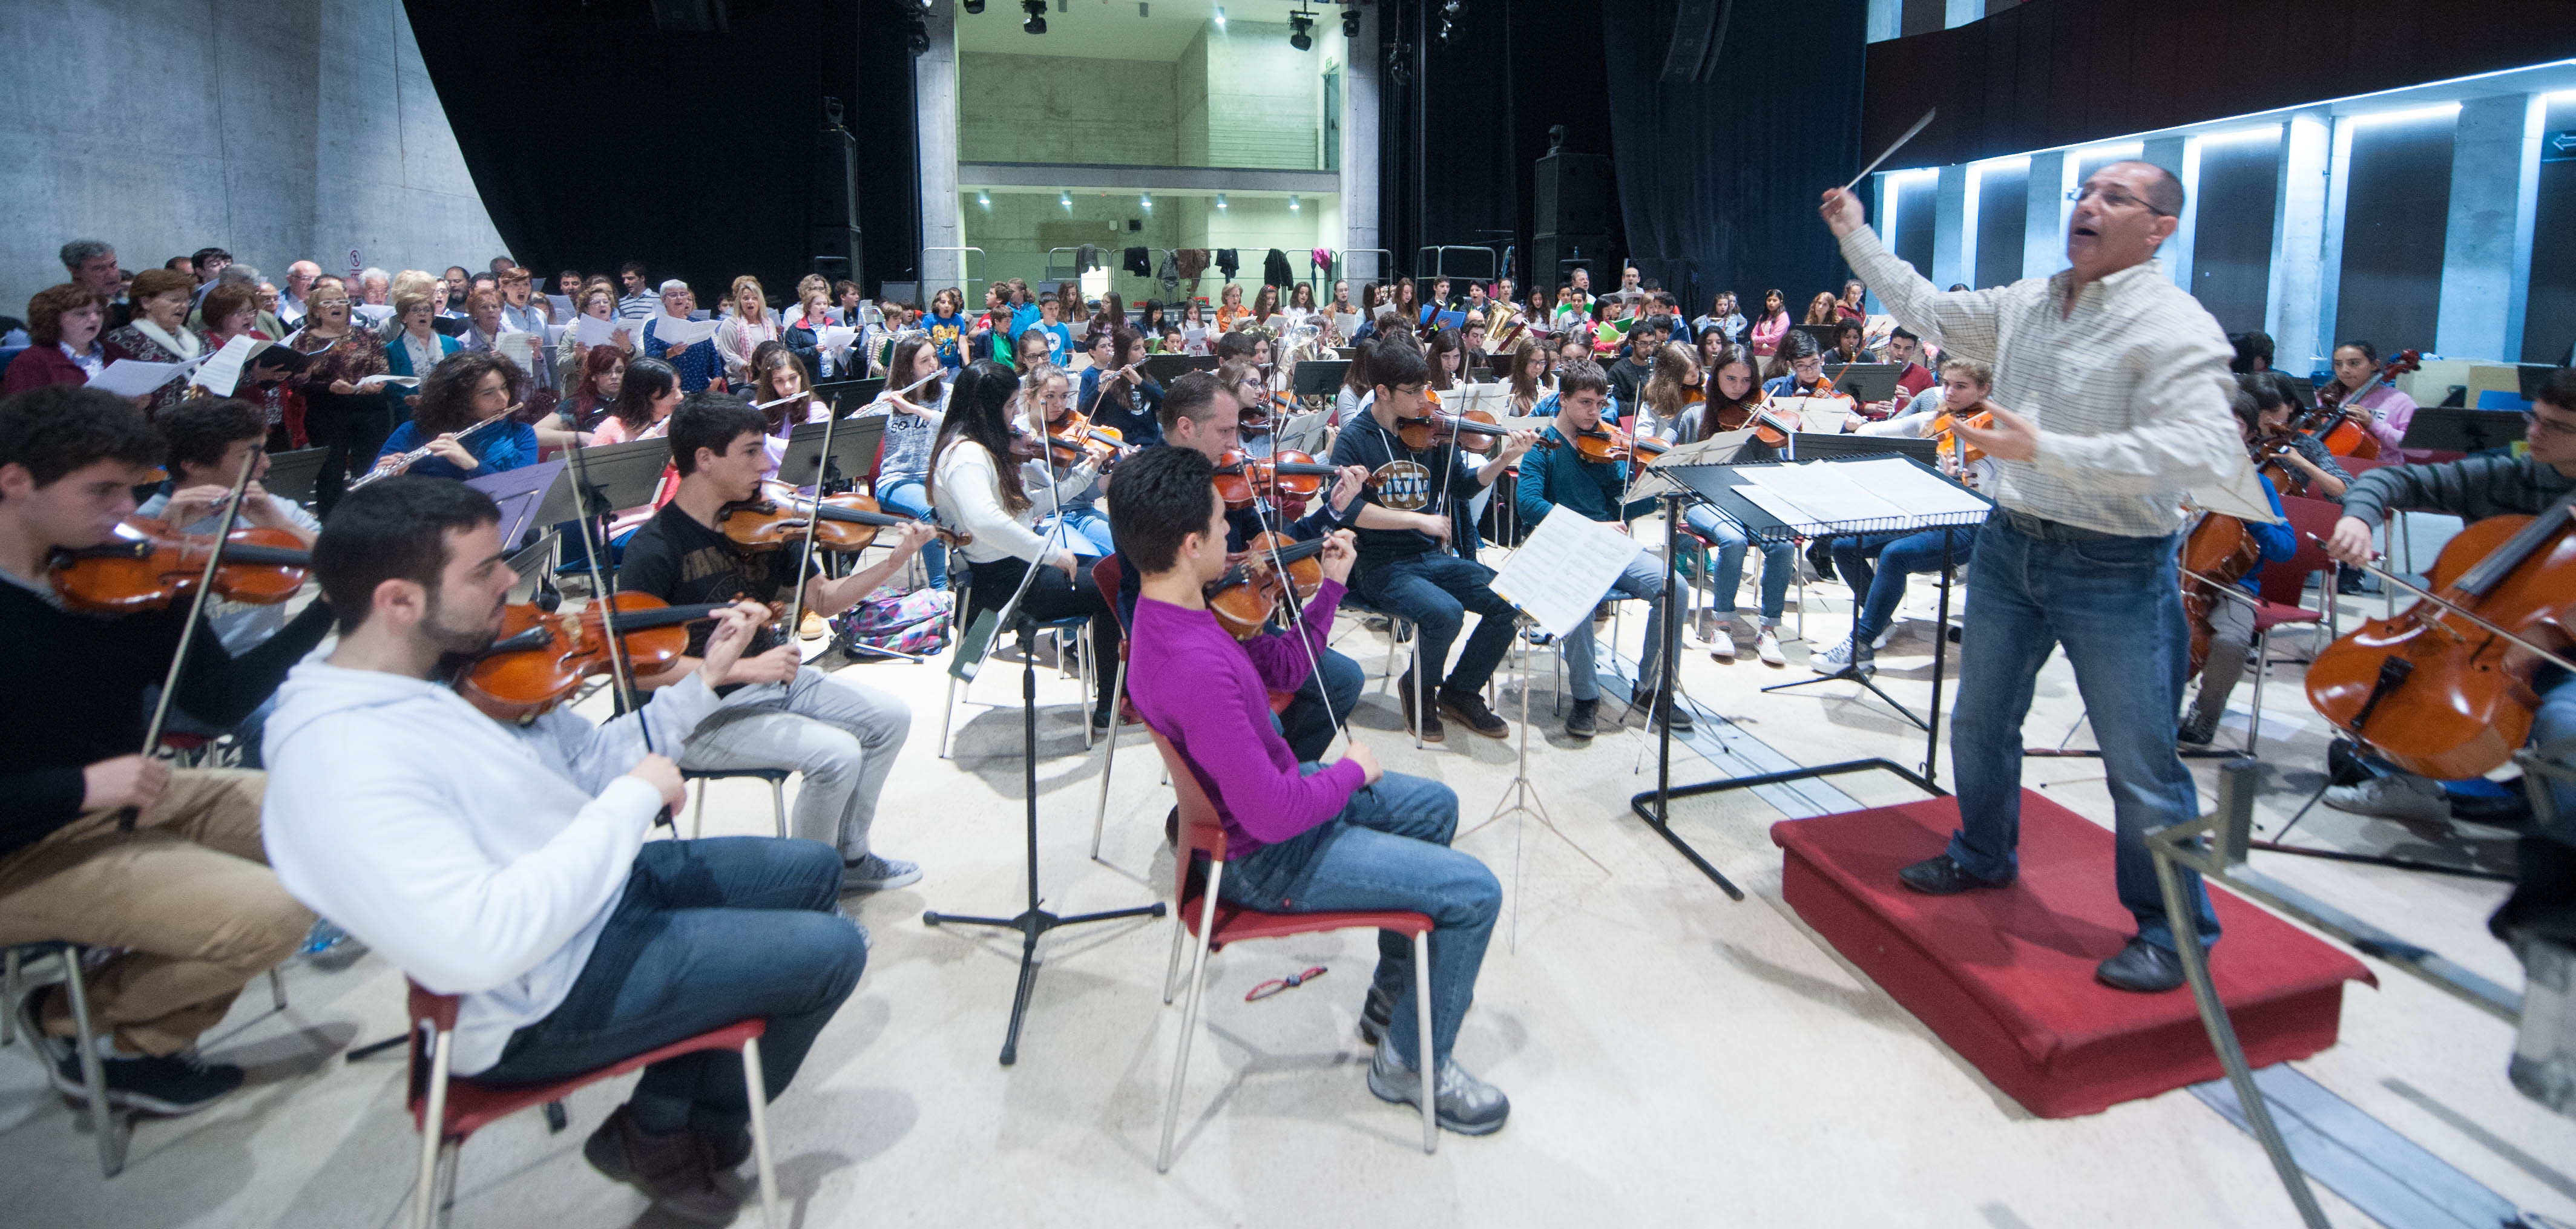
(1210, 696)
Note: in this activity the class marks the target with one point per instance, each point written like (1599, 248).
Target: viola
(1609, 443)
(541, 658)
(848, 523)
(2217, 551)
(1248, 595)
(2443, 689)
(260, 566)
(2341, 430)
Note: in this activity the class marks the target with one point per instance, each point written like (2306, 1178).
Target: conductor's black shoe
(1939, 876)
(1469, 707)
(2141, 968)
(1581, 722)
(1376, 1014)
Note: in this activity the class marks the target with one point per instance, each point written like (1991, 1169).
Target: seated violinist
(505, 862)
(2231, 622)
(1067, 482)
(1301, 836)
(841, 736)
(1561, 480)
(1798, 369)
(465, 390)
(187, 896)
(2474, 488)
(1876, 565)
(1115, 392)
(1731, 403)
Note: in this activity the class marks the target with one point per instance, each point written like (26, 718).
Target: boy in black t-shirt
(841, 735)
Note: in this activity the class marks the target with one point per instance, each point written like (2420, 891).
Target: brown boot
(675, 1170)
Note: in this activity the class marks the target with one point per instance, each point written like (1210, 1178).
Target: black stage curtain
(1718, 182)
(2059, 72)
(1458, 137)
(595, 138)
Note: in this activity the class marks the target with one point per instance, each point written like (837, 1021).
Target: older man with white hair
(290, 297)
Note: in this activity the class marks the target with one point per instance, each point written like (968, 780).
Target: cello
(2444, 688)
(2218, 551)
(2336, 427)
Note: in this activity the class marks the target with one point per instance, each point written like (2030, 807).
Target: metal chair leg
(756, 1091)
(432, 1128)
(777, 803)
(698, 813)
(112, 1129)
(1189, 1017)
(1108, 759)
(1424, 1064)
(2262, 656)
(276, 989)
(947, 714)
(1172, 967)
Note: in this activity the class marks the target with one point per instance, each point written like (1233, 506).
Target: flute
(405, 461)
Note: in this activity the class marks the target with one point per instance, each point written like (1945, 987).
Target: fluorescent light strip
(2439, 110)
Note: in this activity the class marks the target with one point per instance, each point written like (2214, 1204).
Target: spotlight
(916, 35)
(1301, 30)
(1292, 204)
(1351, 21)
(1220, 17)
(984, 199)
(1145, 199)
(1036, 9)
(1220, 200)
(974, 6)
(1065, 199)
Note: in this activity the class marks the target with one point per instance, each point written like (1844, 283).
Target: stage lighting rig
(974, 7)
(1350, 21)
(1301, 30)
(1036, 9)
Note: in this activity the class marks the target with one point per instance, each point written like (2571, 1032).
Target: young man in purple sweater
(1301, 838)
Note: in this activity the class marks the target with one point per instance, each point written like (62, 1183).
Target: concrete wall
(276, 129)
(1036, 108)
(1263, 99)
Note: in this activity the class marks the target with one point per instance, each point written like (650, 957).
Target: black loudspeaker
(1699, 29)
(1572, 195)
(835, 208)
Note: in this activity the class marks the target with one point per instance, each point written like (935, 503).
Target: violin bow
(621, 672)
(813, 523)
(126, 815)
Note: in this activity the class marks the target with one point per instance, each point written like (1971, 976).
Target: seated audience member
(976, 485)
(62, 334)
(1404, 569)
(840, 735)
(463, 392)
(1628, 375)
(1342, 837)
(183, 901)
(1560, 480)
(506, 863)
(1231, 314)
(2498, 483)
(1115, 392)
(912, 422)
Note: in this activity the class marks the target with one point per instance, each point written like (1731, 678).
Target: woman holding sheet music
(159, 332)
(339, 416)
(742, 332)
(597, 300)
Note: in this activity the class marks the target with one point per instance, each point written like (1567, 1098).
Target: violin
(2340, 430)
(848, 523)
(2443, 689)
(2217, 551)
(541, 658)
(1771, 426)
(1944, 432)
(1241, 479)
(1609, 443)
(1072, 438)
(1436, 427)
(259, 566)
(2271, 459)
(1248, 595)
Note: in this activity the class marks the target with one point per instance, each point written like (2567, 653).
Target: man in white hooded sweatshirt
(507, 863)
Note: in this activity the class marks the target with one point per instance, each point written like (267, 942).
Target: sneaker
(1706, 627)
(1469, 707)
(1376, 1014)
(810, 627)
(2197, 729)
(1766, 645)
(2395, 796)
(1834, 660)
(1430, 728)
(165, 1084)
(1462, 1103)
(875, 872)
(676, 1170)
(1721, 639)
(1670, 713)
(1583, 721)
(1884, 635)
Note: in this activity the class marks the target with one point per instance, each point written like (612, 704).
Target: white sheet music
(674, 332)
(223, 368)
(1717, 449)
(1823, 492)
(593, 331)
(1908, 487)
(1562, 569)
(520, 348)
(1782, 508)
(130, 377)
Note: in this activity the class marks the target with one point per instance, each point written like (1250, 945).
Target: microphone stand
(1033, 920)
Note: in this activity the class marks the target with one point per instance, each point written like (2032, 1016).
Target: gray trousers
(840, 737)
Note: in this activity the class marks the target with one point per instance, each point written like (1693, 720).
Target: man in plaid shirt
(2111, 395)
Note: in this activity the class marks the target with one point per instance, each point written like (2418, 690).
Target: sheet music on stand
(1302, 432)
(1779, 500)
(1717, 449)
(1560, 572)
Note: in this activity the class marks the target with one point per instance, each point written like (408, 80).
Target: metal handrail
(1440, 261)
(965, 284)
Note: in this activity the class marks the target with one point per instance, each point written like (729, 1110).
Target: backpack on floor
(914, 623)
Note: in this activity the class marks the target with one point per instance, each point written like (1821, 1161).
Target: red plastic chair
(2282, 586)
(462, 1107)
(1217, 923)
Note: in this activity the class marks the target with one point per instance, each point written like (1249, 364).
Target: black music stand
(2439, 429)
(292, 474)
(1165, 368)
(854, 451)
(1715, 486)
(1867, 382)
(620, 476)
(1319, 377)
(1818, 446)
(852, 393)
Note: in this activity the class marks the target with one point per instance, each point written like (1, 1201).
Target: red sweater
(38, 366)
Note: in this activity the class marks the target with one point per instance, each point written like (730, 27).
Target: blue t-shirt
(1059, 341)
(948, 336)
(498, 449)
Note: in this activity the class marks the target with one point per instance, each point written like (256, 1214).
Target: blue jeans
(1322, 704)
(709, 932)
(911, 497)
(1878, 586)
(1779, 563)
(2556, 722)
(1437, 592)
(2116, 604)
(1644, 577)
(1086, 531)
(1388, 849)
